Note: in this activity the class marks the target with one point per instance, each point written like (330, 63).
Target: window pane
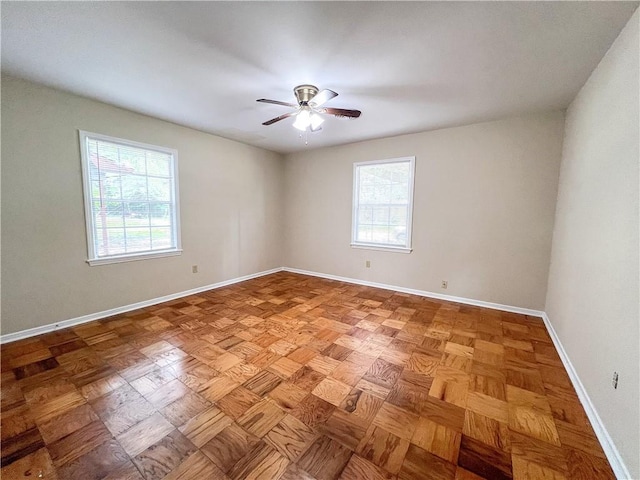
(106, 156)
(380, 216)
(96, 206)
(134, 187)
(111, 241)
(364, 233)
(398, 215)
(110, 185)
(400, 173)
(399, 194)
(366, 194)
(365, 214)
(366, 176)
(161, 238)
(98, 242)
(92, 148)
(160, 214)
(159, 189)
(132, 160)
(138, 240)
(137, 214)
(115, 214)
(382, 193)
(95, 189)
(380, 234)
(375, 194)
(158, 164)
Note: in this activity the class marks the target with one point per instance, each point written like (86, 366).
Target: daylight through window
(131, 199)
(382, 204)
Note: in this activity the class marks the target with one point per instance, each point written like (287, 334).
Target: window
(131, 199)
(382, 204)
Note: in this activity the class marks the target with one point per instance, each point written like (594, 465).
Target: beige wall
(593, 298)
(483, 210)
(230, 202)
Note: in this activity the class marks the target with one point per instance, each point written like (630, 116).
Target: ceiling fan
(309, 108)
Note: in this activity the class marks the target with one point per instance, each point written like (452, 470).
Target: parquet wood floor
(292, 377)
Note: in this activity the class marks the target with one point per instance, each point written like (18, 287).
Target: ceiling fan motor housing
(304, 93)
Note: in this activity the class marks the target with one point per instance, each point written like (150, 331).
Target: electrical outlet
(194, 269)
(444, 284)
(368, 264)
(614, 380)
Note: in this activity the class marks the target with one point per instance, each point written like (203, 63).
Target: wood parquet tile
(295, 378)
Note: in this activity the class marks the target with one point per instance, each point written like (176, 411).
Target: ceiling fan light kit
(308, 119)
(308, 114)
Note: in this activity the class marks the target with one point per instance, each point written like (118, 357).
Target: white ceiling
(409, 66)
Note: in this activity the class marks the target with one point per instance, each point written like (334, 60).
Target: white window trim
(381, 247)
(356, 186)
(93, 259)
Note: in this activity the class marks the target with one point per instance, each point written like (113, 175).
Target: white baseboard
(32, 332)
(610, 450)
(422, 293)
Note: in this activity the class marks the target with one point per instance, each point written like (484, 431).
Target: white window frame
(354, 214)
(93, 258)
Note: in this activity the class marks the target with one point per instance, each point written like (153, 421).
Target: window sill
(382, 248)
(132, 258)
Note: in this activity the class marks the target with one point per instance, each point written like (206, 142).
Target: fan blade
(341, 112)
(322, 97)
(281, 117)
(277, 102)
